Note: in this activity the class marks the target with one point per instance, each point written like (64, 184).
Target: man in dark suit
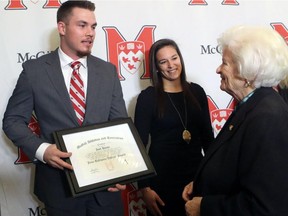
(43, 88)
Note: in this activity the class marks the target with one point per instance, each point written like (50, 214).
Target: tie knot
(75, 65)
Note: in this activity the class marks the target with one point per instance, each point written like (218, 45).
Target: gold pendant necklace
(186, 135)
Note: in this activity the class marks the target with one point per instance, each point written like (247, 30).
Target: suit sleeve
(18, 115)
(118, 107)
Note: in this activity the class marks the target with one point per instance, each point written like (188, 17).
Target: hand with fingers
(54, 157)
(187, 191)
(152, 200)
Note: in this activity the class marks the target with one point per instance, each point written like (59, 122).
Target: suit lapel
(93, 87)
(55, 75)
(231, 126)
(228, 130)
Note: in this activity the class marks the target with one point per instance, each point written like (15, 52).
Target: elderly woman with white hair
(245, 171)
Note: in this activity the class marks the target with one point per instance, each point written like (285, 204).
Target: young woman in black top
(174, 113)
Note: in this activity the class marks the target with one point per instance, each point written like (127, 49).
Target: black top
(169, 153)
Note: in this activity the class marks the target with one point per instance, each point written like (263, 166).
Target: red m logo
(281, 29)
(131, 56)
(19, 5)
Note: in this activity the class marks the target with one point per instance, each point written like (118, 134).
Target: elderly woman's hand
(187, 192)
(192, 207)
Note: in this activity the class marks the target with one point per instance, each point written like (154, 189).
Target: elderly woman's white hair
(261, 54)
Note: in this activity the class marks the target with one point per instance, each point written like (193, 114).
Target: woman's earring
(247, 84)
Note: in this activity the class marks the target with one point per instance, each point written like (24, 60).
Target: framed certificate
(103, 155)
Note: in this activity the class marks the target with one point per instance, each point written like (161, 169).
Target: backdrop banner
(126, 29)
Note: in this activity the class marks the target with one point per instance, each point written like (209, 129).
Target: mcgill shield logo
(133, 202)
(219, 116)
(131, 55)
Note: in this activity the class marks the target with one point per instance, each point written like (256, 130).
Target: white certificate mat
(103, 155)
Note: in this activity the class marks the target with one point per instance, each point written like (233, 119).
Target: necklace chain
(186, 135)
(184, 125)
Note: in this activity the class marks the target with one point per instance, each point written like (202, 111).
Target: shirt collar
(65, 60)
(244, 100)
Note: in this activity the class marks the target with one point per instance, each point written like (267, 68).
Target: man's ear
(61, 28)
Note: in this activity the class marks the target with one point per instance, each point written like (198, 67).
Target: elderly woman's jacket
(245, 172)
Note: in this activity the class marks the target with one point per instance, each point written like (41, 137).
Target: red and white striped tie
(76, 91)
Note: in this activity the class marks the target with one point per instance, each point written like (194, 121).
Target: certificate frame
(102, 159)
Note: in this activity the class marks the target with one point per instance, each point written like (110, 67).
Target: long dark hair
(156, 77)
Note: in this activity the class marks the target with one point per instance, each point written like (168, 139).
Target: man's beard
(82, 54)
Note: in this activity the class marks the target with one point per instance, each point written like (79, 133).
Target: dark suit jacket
(41, 88)
(245, 172)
